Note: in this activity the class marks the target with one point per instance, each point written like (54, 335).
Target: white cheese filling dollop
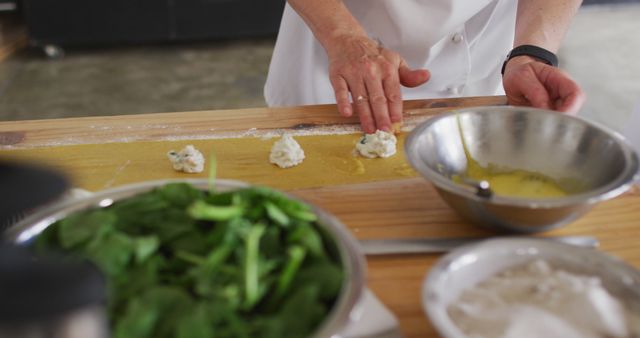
(378, 144)
(286, 152)
(188, 160)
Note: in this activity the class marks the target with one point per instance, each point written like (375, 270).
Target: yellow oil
(509, 182)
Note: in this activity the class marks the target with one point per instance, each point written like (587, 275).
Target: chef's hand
(529, 82)
(371, 75)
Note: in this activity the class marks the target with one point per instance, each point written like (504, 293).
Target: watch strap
(530, 50)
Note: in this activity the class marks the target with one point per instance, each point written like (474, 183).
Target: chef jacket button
(457, 38)
(453, 90)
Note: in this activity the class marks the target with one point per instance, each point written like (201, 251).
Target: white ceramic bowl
(469, 265)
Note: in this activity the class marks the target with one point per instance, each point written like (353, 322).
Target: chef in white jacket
(369, 55)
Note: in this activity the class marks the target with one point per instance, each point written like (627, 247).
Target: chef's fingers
(412, 78)
(366, 118)
(533, 83)
(566, 95)
(361, 106)
(391, 85)
(341, 91)
(572, 103)
(378, 102)
(537, 95)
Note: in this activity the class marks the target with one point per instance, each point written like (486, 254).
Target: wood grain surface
(202, 124)
(411, 208)
(383, 201)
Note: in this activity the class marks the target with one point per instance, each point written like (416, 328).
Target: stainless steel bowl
(471, 264)
(562, 147)
(346, 308)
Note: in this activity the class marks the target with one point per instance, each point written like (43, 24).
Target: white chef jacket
(461, 42)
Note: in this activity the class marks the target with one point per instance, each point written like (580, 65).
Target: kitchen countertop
(374, 198)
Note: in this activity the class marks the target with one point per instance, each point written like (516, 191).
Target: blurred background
(71, 58)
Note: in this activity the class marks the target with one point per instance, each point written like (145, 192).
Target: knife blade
(439, 245)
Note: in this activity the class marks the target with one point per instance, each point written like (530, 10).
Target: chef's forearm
(544, 23)
(328, 20)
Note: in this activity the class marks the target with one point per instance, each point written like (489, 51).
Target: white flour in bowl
(538, 300)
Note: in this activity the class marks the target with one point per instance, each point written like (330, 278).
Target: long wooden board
(411, 208)
(384, 201)
(202, 124)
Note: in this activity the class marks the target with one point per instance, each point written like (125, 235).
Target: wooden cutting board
(197, 125)
(411, 208)
(385, 200)
(329, 161)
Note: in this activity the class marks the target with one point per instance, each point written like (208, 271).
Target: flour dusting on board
(117, 173)
(100, 134)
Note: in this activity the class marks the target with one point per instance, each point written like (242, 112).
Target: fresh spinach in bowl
(181, 262)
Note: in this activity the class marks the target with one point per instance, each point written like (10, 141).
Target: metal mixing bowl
(346, 307)
(592, 162)
(471, 264)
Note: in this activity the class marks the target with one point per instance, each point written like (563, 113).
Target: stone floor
(132, 80)
(601, 51)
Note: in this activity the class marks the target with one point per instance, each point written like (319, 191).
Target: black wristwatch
(534, 51)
